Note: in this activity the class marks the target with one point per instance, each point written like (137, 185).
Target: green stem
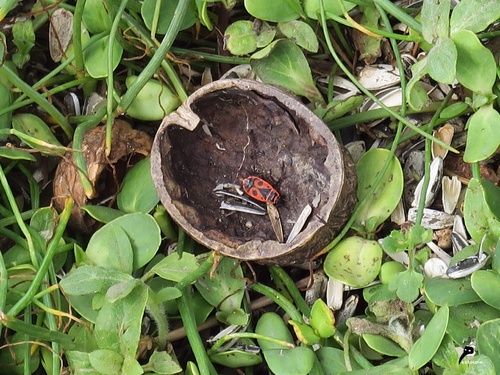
(249, 335)
(151, 46)
(279, 299)
(211, 56)
(5, 7)
(52, 91)
(279, 273)
(202, 270)
(77, 37)
(476, 172)
(46, 262)
(19, 220)
(12, 219)
(38, 333)
(157, 58)
(343, 341)
(3, 283)
(164, 222)
(13, 78)
(157, 311)
(186, 311)
(110, 78)
(400, 14)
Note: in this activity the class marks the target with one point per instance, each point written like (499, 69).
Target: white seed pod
(432, 219)
(300, 223)
(391, 97)
(380, 76)
(441, 254)
(398, 215)
(450, 193)
(436, 173)
(334, 294)
(435, 267)
(60, 33)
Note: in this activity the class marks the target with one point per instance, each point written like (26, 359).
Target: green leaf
(118, 324)
(225, 289)
(384, 200)
(121, 290)
(241, 38)
(144, 235)
(479, 220)
(322, 319)
(486, 283)
(274, 11)
(300, 33)
(106, 361)
(96, 57)
(383, 345)
(103, 214)
(35, 127)
(442, 60)
(174, 268)
(476, 66)
(6, 119)
(332, 360)
(235, 358)
(131, 198)
(447, 355)
(287, 66)
(415, 95)
(450, 292)
(110, 247)
(465, 320)
(296, 361)
(435, 19)
(474, 15)
(91, 280)
(305, 334)
(272, 325)
(24, 39)
(354, 261)
(162, 363)
(166, 14)
(96, 16)
(427, 345)
(407, 285)
(153, 102)
(332, 8)
(483, 137)
(487, 341)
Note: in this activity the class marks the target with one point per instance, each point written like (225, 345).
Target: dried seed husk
(60, 33)
(445, 134)
(432, 219)
(125, 143)
(436, 173)
(450, 192)
(274, 217)
(380, 76)
(435, 267)
(300, 223)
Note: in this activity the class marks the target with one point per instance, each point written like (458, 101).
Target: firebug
(260, 189)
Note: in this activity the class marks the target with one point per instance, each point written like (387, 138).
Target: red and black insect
(260, 190)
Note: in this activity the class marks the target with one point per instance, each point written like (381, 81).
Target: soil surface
(248, 135)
